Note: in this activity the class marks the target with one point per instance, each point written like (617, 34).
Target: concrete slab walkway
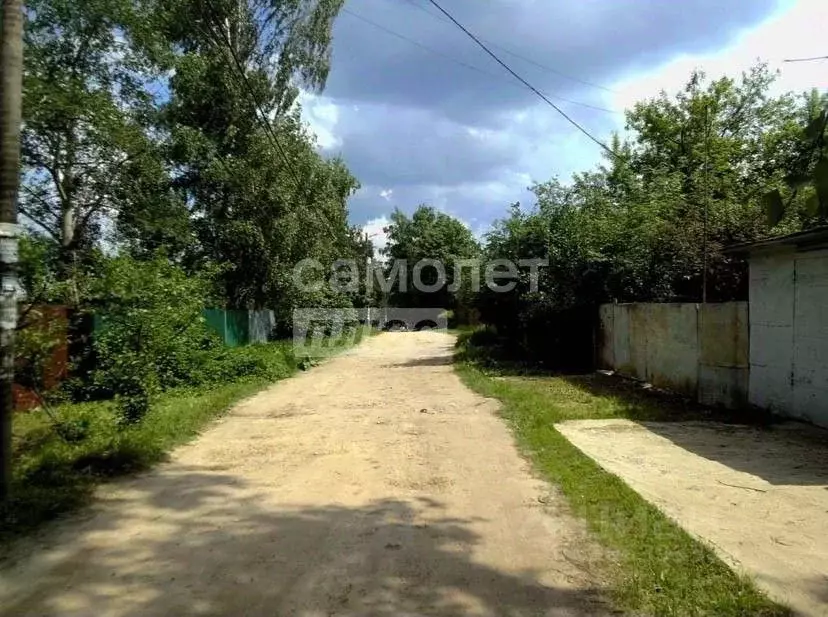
(758, 497)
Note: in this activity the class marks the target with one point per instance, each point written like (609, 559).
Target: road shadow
(200, 541)
(790, 453)
(442, 360)
(819, 589)
(780, 452)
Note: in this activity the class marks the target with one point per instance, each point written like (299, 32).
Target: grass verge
(657, 568)
(54, 477)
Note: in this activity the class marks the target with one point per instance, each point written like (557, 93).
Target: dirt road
(375, 484)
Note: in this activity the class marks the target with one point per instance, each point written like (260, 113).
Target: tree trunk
(11, 94)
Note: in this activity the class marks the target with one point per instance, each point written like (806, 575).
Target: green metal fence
(237, 328)
(234, 327)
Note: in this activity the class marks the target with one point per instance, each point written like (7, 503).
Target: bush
(251, 362)
(151, 334)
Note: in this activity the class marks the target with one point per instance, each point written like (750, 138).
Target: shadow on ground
(639, 401)
(791, 453)
(443, 360)
(201, 542)
(780, 452)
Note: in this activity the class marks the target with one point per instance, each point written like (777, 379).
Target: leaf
(774, 207)
(815, 126)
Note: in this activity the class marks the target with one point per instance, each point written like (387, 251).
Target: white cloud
(796, 30)
(375, 230)
(386, 194)
(322, 116)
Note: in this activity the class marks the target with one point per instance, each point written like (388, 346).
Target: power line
(416, 43)
(521, 79)
(465, 64)
(511, 52)
(258, 109)
(550, 69)
(806, 59)
(252, 93)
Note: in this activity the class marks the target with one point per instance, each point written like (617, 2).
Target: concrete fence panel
(261, 326)
(698, 350)
(671, 332)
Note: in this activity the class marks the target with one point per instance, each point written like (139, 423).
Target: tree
(261, 197)
(805, 188)
(11, 71)
(88, 153)
(651, 222)
(217, 168)
(427, 235)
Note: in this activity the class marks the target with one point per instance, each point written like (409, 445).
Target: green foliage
(258, 206)
(428, 235)
(195, 172)
(87, 148)
(56, 470)
(36, 340)
(183, 180)
(152, 334)
(703, 169)
(807, 170)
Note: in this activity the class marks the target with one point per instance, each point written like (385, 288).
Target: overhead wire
(522, 80)
(515, 54)
(258, 106)
(466, 64)
(806, 59)
(239, 67)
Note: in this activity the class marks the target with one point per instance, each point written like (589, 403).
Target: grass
(53, 477)
(656, 567)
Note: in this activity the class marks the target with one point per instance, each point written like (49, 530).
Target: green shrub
(151, 333)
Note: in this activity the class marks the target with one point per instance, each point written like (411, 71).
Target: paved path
(373, 485)
(758, 497)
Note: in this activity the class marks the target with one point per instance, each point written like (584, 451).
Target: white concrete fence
(698, 350)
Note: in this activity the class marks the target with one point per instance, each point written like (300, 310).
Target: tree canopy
(439, 239)
(173, 126)
(651, 222)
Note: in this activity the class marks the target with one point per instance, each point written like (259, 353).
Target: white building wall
(771, 331)
(810, 382)
(789, 334)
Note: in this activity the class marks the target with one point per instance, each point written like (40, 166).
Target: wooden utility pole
(11, 97)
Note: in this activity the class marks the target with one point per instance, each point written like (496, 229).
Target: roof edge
(808, 239)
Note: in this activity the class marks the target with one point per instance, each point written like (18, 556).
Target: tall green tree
(88, 153)
(427, 235)
(261, 196)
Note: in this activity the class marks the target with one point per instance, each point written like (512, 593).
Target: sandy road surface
(376, 484)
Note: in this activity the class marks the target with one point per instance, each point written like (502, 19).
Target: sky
(422, 115)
